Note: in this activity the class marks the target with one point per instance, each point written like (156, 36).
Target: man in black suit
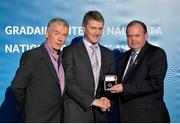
(85, 67)
(141, 87)
(39, 83)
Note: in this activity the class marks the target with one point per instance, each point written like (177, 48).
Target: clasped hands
(103, 103)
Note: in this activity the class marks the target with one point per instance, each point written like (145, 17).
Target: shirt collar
(51, 51)
(88, 44)
(137, 52)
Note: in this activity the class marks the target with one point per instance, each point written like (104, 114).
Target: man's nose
(133, 38)
(60, 38)
(98, 32)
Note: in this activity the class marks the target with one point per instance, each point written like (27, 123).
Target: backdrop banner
(23, 25)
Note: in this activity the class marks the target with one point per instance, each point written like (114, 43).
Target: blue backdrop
(23, 24)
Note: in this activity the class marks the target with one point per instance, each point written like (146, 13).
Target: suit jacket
(142, 97)
(36, 87)
(80, 83)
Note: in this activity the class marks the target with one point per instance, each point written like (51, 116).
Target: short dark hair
(59, 20)
(137, 22)
(93, 15)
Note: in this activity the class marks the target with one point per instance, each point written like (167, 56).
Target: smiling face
(56, 35)
(93, 30)
(136, 37)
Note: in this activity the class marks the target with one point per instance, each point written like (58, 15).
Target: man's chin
(94, 41)
(57, 48)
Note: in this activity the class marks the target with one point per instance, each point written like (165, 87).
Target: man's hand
(106, 104)
(118, 88)
(103, 103)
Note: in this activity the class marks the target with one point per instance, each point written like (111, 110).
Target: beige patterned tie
(95, 65)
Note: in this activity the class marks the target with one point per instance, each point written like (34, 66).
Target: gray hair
(59, 20)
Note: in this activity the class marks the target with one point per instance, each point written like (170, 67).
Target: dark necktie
(61, 71)
(59, 59)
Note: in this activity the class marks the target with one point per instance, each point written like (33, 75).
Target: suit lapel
(123, 64)
(137, 61)
(102, 61)
(83, 52)
(49, 63)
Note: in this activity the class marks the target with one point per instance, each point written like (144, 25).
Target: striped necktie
(132, 59)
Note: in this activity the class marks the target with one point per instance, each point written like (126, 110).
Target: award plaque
(109, 81)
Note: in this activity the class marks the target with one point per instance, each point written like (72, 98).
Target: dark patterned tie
(59, 58)
(61, 71)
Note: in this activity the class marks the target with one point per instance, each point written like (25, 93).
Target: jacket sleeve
(21, 79)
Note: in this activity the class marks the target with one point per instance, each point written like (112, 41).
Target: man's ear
(47, 34)
(83, 27)
(146, 35)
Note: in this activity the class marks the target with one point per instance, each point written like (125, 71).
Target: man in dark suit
(142, 72)
(39, 83)
(85, 67)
